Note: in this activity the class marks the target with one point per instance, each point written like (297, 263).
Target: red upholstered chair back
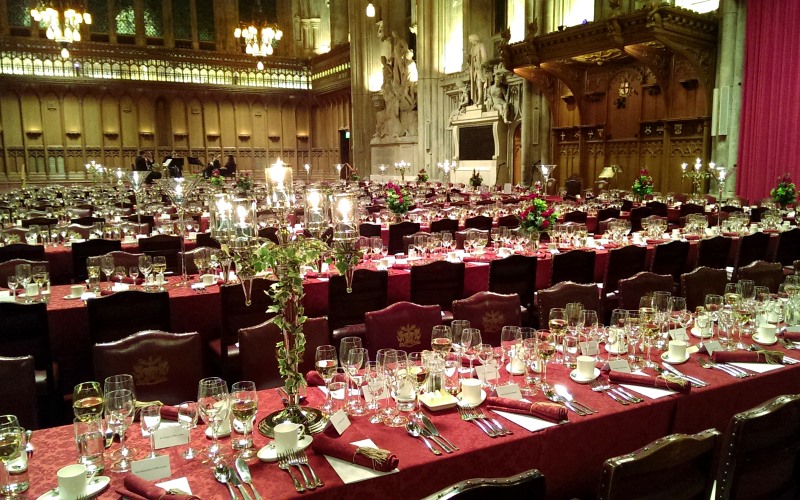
(116, 316)
(8, 268)
(510, 220)
(714, 252)
(43, 222)
(164, 245)
(87, 220)
(18, 390)
(788, 247)
(25, 331)
(236, 314)
(561, 294)
(90, 248)
(575, 265)
(489, 312)
(697, 284)
(753, 247)
(462, 235)
(670, 258)
(408, 239)
(690, 208)
(658, 208)
(439, 282)
(127, 259)
(623, 263)
(396, 233)
(769, 274)
(165, 366)
(578, 216)
(514, 274)
(634, 288)
(402, 325)
(607, 213)
(22, 251)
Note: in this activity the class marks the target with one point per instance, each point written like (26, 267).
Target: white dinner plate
(270, 454)
(98, 484)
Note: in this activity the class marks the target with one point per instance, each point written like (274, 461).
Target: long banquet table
(570, 455)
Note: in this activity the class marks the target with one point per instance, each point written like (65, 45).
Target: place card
(340, 421)
(151, 469)
(712, 346)
(678, 334)
(510, 391)
(491, 372)
(368, 396)
(589, 348)
(619, 365)
(165, 437)
(178, 484)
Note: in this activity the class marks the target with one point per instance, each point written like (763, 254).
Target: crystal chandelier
(258, 37)
(61, 22)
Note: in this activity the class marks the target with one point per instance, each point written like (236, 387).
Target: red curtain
(769, 140)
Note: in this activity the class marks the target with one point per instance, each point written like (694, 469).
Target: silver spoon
(234, 480)
(221, 473)
(413, 430)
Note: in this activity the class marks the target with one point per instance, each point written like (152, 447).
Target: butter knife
(692, 380)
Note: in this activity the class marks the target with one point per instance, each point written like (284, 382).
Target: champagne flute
(649, 326)
(546, 347)
(377, 385)
(485, 353)
(557, 323)
(385, 358)
(115, 383)
(87, 401)
(530, 356)
(93, 272)
(633, 333)
(119, 414)
(441, 339)
(146, 267)
(417, 374)
(356, 357)
(470, 340)
(213, 405)
(244, 406)
(187, 418)
(326, 363)
(12, 285)
(615, 343)
(23, 272)
(151, 421)
(510, 341)
(107, 266)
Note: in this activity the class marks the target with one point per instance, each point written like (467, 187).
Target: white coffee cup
(208, 279)
(767, 333)
(72, 481)
(677, 350)
(287, 436)
(471, 391)
(76, 290)
(586, 367)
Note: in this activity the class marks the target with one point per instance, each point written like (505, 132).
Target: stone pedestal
(494, 166)
(389, 152)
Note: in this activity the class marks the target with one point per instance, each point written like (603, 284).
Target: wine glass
(116, 383)
(417, 374)
(133, 272)
(591, 327)
(187, 418)
(244, 405)
(633, 333)
(12, 285)
(159, 268)
(546, 342)
(107, 266)
(87, 401)
(326, 362)
(713, 304)
(747, 289)
(470, 340)
(200, 260)
(485, 353)
(510, 340)
(394, 369)
(649, 327)
(12, 442)
(119, 414)
(23, 272)
(615, 343)
(146, 267)
(356, 357)
(213, 404)
(441, 339)
(377, 385)
(731, 295)
(151, 421)
(345, 345)
(678, 312)
(557, 323)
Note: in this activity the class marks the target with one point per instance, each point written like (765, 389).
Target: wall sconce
(370, 10)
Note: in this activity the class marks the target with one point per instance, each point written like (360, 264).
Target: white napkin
(180, 483)
(351, 473)
(757, 367)
(650, 392)
(533, 424)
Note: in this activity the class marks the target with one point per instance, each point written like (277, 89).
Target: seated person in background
(143, 163)
(212, 165)
(229, 169)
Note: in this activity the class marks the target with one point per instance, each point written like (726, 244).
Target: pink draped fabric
(770, 123)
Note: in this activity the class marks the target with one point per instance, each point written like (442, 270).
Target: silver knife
(692, 380)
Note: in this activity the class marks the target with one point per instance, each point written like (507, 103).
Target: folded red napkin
(691, 237)
(651, 241)
(611, 244)
(548, 411)
(772, 231)
(128, 280)
(730, 233)
(340, 447)
(475, 362)
(169, 412)
(645, 381)
(313, 378)
(792, 336)
(136, 488)
(742, 357)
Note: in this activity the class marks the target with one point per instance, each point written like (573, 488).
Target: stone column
(363, 112)
(527, 157)
(138, 9)
(339, 28)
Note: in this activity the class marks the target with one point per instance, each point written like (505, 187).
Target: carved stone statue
(463, 101)
(496, 97)
(398, 117)
(477, 75)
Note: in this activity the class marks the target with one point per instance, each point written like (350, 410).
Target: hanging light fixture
(258, 37)
(61, 22)
(370, 10)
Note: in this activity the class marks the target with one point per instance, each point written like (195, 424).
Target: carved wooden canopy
(671, 42)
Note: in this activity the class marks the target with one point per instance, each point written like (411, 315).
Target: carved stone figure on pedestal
(463, 101)
(398, 115)
(477, 76)
(496, 97)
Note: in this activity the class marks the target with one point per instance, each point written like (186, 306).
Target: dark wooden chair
(623, 263)
(482, 222)
(678, 466)
(163, 245)
(561, 294)
(658, 208)
(165, 366)
(87, 220)
(8, 268)
(575, 265)
(257, 350)
(607, 213)
(206, 240)
(402, 325)
(18, 390)
(763, 273)
(631, 290)
(346, 310)
(396, 233)
(462, 235)
(514, 274)
(759, 456)
(90, 248)
(637, 214)
(578, 216)
(690, 208)
(511, 221)
(695, 285)
(408, 240)
(489, 312)
(714, 252)
(447, 224)
(670, 258)
(150, 220)
(439, 282)
(122, 314)
(22, 251)
(125, 259)
(529, 485)
(369, 229)
(788, 247)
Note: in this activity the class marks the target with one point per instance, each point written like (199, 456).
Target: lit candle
(314, 198)
(344, 208)
(683, 166)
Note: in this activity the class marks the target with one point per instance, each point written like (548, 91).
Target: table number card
(491, 372)
(589, 348)
(165, 437)
(340, 421)
(510, 391)
(152, 468)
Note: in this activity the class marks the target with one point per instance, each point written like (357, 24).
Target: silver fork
(707, 363)
(293, 460)
(467, 416)
(490, 421)
(598, 386)
(283, 464)
(303, 459)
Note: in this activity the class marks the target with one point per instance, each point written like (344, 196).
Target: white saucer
(514, 372)
(611, 348)
(757, 339)
(665, 357)
(580, 380)
(696, 333)
(221, 434)
(464, 404)
(98, 484)
(70, 297)
(270, 454)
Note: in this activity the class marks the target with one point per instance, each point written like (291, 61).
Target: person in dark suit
(212, 165)
(143, 163)
(229, 169)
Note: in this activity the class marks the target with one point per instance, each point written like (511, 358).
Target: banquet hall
(551, 244)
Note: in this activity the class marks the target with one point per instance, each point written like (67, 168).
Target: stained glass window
(153, 19)
(19, 13)
(205, 20)
(99, 11)
(182, 20)
(126, 18)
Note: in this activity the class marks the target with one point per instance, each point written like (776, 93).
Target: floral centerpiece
(398, 199)
(475, 180)
(536, 215)
(642, 185)
(785, 193)
(244, 182)
(422, 176)
(216, 178)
